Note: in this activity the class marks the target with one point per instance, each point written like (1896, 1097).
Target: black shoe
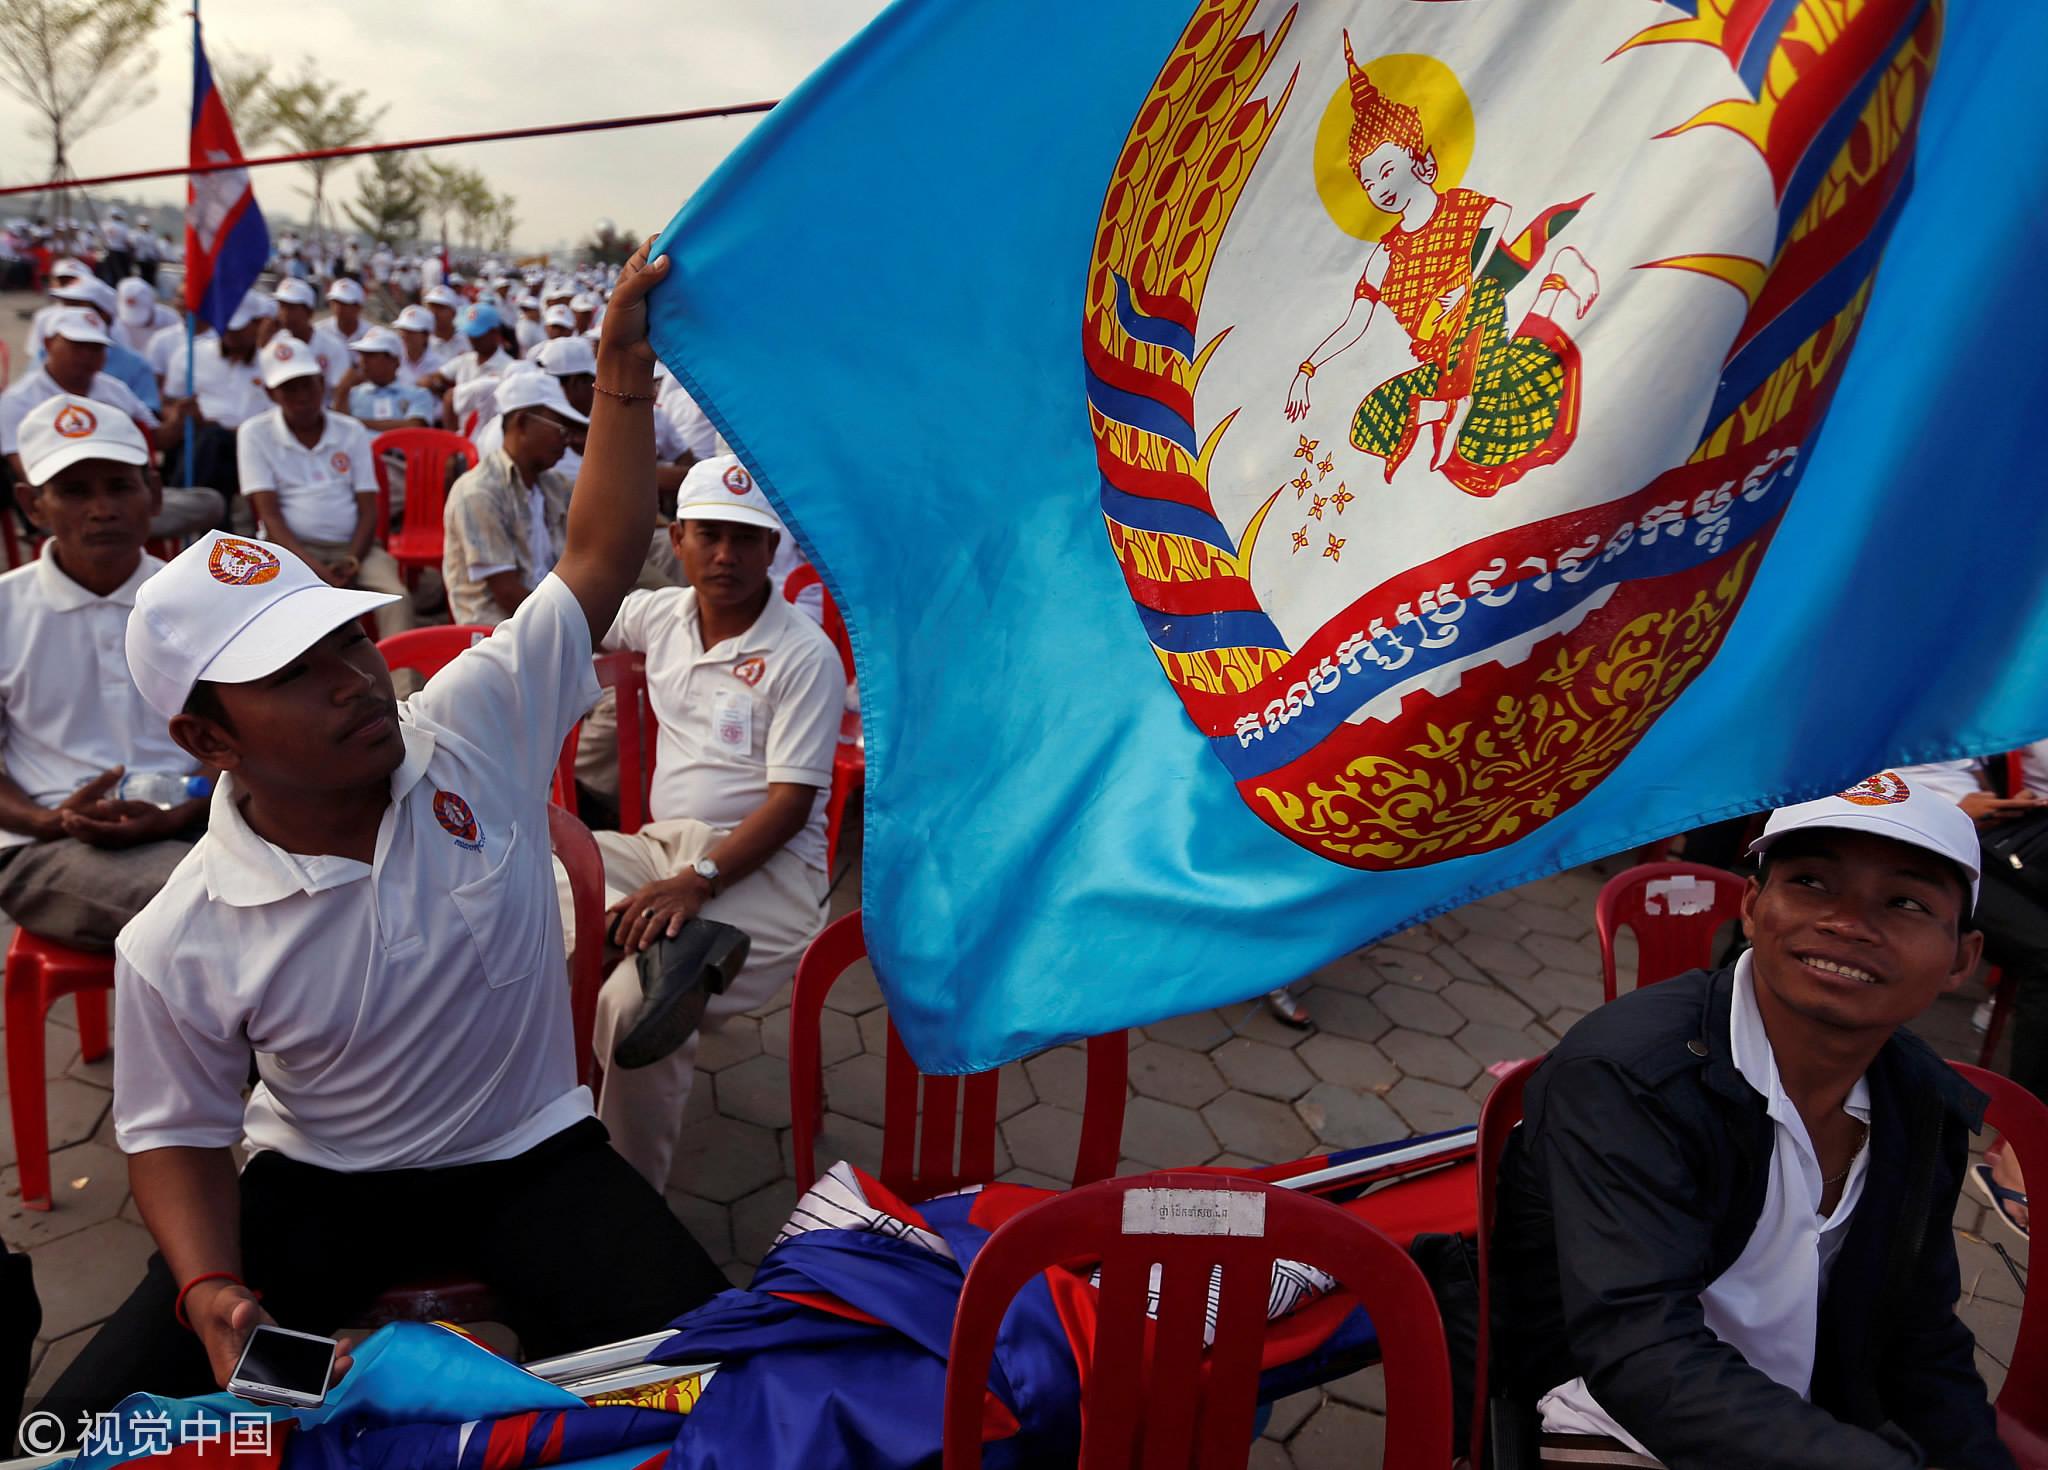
(677, 978)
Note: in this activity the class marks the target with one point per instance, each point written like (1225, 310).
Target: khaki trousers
(780, 906)
(377, 573)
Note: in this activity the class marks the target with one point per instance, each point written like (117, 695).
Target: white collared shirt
(68, 707)
(316, 488)
(330, 350)
(461, 367)
(1766, 1305)
(39, 387)
(760, 708)
(406, 1012)
(230, 393)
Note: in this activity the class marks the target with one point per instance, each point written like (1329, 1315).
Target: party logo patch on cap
(455, 817)
(240, 563)
(1886, 788)
(738, 480)
(282, 352)
(75, 421)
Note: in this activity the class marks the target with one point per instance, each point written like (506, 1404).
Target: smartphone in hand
(279, 1366)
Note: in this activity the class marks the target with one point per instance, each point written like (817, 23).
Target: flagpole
(191, 332)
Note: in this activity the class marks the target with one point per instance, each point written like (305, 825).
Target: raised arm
(611, 514)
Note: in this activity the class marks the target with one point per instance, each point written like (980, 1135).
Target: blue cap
(477, 318)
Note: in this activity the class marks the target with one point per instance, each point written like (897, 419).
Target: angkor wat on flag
(1291, 468)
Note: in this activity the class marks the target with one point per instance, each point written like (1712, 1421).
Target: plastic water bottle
(162, 788)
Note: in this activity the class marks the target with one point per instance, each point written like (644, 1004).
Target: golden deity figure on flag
(1497, 402)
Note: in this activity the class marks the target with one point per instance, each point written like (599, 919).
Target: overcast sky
(448, 66)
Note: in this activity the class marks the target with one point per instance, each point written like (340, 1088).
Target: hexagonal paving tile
(1338, 1437)
(1487, 1044)
(74, 1110)
(855, 1087)
(874, 1031)
(1014, 1092)
(709, 1223)
(1565, 923)
(759, 1217)
(1417, 1010)
(1174, 1075)
(1257, 1127)
(856, 992)
(1268, 1454)
(1493, 918)
(1164, 1135)
(755, 1091)
(1044, 1139)
(1343, 1118)
(1488, 1003)
(55, 1359)
(1579, 956)
(1366, 1389)
(724, 1159)
(1060, 1076)
(1418, 1054)
(1342, 1014)
(1547, 991)
(1290, 1413)
(734, 1042)
(1355, 1064)
(1258, 1067)
(1430, 1106)
(88, 1184)
(1406, 967)
(1199, 1031)
(843, 1138)
(1498, 957)
(81, 1278)
(839, 1035)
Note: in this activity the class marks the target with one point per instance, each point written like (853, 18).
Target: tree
(474, 201)
(441, 188)
(388, 204)
(311, 113)
(502, 221)
(78, 63)
(610, 245)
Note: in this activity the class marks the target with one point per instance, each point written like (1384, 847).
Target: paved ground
(1404, 1032)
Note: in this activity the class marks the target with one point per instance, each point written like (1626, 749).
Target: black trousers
(2015, 926)
(21, 1318)
(576, 1247)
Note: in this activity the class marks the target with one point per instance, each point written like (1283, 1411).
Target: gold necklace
(1831, 1183)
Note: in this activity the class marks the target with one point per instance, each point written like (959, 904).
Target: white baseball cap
(559, 315)
(558, 291)
(294, 292)
(380, 339)
(253, 307)
(346, 290)
(567, 356)
(721, 489)
(229, 609)
(76, 324)
(1887, 805)
(525, 388)
(137, 301)
(70, 266)
(91, 291)
(284, 358)
(63, 430)
(415, 319)
(583, 301)
(440, 296)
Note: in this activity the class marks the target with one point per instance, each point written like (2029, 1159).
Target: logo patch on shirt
(241, 563)
(454, 815)
(74, 421)
(738, 480)
(340, 461)
(749, 671)
(1886, 788)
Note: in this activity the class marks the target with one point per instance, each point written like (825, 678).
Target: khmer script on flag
(1289, 469)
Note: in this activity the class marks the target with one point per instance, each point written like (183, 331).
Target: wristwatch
(707, 870)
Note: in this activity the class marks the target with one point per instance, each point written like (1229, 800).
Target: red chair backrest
(920, 1135)
(2022, 1120)
(807, 576)
(1151, 1394)
(1674, 909)
(577, 850)
(1498, 1116)
(427, 651)
(427, 452)
(625, 674)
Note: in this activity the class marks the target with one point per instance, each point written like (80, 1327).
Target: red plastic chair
(428, 453)
(38, 972)
(918, 1145)
(625, 674)
(1152, 1394)
(850, 760)
(2022, 1120)
(1498, 1116)
(427, 651)
(455, 1299)
(1675, 909)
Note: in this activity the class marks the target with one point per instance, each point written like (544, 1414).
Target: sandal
(2001, 1198)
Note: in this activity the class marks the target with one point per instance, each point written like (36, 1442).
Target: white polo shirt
(759, 708)
(316, 488)
(39, 386)
(230, 393)
(167, 347)
(464, 365)
(68, 707)
(403, 1013)
(330, 350)
(1767, 1304)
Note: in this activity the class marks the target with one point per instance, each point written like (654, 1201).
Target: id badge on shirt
(732, 720)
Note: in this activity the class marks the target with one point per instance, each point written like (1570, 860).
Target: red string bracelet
(178, 1309)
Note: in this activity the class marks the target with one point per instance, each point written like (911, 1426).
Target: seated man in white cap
(444, 304)
(78, 859)
(224, 377)
(507, 516)
(1724, 1229)
(748, 695)
(295, 301)
(367, 923)
(62, 273)
(346, 319)
(375, 395)
(308, 476)
(556, 322)
(528, 333)
(139, 316)
(420, 360)
(123, 363)
(74, 364)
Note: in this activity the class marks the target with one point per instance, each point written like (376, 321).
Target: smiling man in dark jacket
(1724, 1229)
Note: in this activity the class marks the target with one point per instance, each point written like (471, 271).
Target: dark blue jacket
(1638, 1177)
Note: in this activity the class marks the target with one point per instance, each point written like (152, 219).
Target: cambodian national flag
(1291, 467)
(226, 241)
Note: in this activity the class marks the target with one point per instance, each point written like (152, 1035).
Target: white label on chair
(1683, 894)
(1194, 1212)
